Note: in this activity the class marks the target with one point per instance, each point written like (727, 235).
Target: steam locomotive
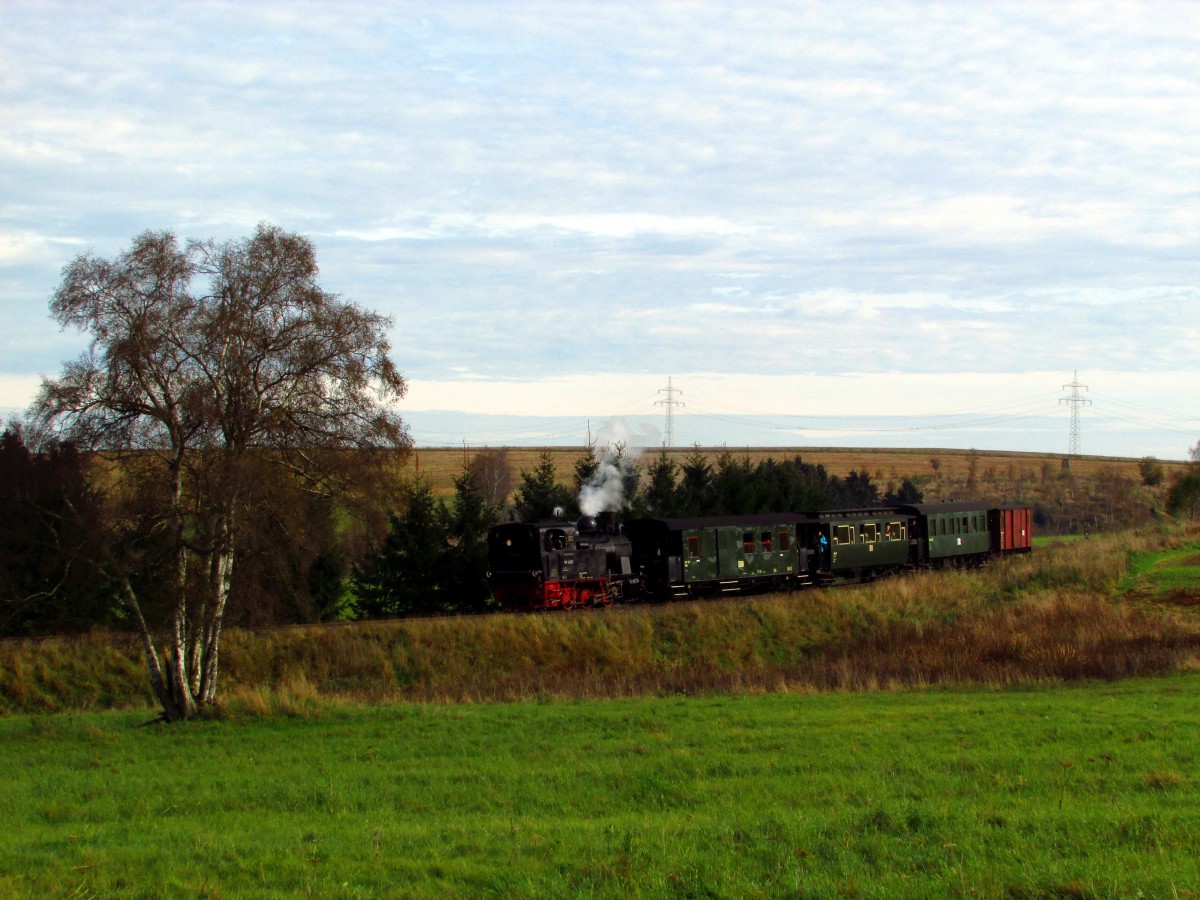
(594, 562)
(556, 565)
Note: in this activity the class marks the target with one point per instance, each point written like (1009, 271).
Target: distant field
(1083, 791)
(441, 465)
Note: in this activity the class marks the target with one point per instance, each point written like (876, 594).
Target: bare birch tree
(201, 390)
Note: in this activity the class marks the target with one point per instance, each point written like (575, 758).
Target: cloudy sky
(828, 223)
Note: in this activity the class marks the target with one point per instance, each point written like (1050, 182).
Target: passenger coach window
(765, 540)
(748, 543)
(895, 531)
(694, 546)
(870, 533)
(785, 541)
(843, 535)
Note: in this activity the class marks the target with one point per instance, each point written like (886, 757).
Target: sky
(817, 224)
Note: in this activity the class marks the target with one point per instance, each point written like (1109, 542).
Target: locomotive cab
(515, 564)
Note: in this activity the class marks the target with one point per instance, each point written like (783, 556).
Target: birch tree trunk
(219, 583)
(172, 711)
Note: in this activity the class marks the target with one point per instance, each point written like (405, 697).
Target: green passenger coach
(955, 534)
(863, 543)
(686, 557)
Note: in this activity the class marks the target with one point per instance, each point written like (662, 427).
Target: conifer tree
(406, 574)
(468, 519)
(539, 493)
(660, 498)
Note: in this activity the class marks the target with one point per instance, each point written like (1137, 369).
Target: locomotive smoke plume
(618, 451)
(606, 489)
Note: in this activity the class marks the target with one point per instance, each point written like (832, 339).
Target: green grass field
(1088, 790)
(1169, 576)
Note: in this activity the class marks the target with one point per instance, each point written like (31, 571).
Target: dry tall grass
(1056, 614)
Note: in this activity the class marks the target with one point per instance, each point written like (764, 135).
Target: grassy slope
(1073, 609)
(1088, 791)
(1170, 577)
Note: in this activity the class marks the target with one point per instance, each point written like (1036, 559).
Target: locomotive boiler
(554, 564)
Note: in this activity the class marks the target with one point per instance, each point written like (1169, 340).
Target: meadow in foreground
(1077, 791)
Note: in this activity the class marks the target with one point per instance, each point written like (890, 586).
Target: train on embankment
(595, 562)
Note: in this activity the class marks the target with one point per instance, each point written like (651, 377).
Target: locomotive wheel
(568, 598)
(605, 599)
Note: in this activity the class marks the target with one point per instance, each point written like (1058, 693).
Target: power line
(1076, 401)
(670, 403)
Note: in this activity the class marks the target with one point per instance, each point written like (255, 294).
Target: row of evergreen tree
(699, 486)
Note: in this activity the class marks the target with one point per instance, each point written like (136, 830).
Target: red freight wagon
(1011, 529)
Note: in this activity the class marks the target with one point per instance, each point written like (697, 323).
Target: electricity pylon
(1076, 401)
(670, 403)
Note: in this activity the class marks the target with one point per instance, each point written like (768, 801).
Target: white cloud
(17, 391)
(621, 225)
(28, 247)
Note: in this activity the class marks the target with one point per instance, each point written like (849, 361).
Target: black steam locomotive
(557, 565)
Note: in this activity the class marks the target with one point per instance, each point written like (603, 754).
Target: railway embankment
(1106, 607)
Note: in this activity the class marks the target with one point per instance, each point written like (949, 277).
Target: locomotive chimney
(607, 521)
